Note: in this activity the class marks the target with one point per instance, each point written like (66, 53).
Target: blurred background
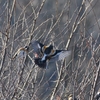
(68, 25)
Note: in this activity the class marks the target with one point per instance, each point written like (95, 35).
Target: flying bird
(21, 53)
(49, 54)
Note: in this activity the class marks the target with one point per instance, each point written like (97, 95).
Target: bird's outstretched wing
(59, 55)
(37, 47)
(21, 52)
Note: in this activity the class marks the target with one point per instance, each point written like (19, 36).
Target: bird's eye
(26, 47)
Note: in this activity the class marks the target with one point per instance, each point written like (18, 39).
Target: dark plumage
(48, 49)
(27, 48)
(45, 54)
(41, 64)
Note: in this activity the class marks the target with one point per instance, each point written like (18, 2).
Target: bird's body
(41, 64)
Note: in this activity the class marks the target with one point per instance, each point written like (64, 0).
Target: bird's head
(26, 48)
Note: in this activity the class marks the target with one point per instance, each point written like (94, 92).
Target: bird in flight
(45, 54)
(21, 53)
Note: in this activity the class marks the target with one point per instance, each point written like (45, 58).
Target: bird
(21, 53)
(49, 54)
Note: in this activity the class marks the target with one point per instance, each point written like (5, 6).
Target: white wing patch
(60, 56)
(43, 58)
(39, 46)
(63, 54)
